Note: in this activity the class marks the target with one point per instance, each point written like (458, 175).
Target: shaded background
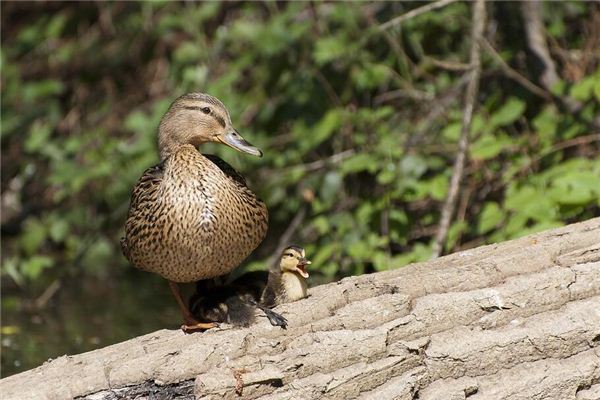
(358, 124)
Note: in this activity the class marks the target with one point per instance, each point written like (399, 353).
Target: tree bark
(516, 320)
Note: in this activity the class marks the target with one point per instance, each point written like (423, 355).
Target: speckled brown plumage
(191, 216)
(190, 220)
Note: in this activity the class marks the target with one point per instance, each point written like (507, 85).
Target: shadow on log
(518, 320)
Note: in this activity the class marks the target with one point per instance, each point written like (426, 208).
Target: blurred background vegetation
(359, 126)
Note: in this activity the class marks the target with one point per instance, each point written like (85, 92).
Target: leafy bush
(359, 126)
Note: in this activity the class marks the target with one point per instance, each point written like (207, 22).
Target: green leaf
(371, 76)
(546, 125)
(584, 89)
(490, 217)
(357, 163)
(328, 49)
(33, 267)
(34, 234)
(322, 130)
(489, 146)
(43, 89)
(59, 230)
(38, 136)
(324, 253)
(436, 187)
(331, 186)
(452, 131)
(531, 202)
(10, 267)
(576, 188)
(454, 233)
(508, 113)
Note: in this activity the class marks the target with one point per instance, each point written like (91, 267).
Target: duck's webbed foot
(274, 318)
(191, 325)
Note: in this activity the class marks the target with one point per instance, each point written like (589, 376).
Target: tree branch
(413, 13)
(515, 75)
(536, 40)
(427, 330)
(463, 144)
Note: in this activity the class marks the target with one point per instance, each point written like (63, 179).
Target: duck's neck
(294, 286)
(170, 149)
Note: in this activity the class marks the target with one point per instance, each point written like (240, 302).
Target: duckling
(234, 302)
(287, 282)
(192, 216)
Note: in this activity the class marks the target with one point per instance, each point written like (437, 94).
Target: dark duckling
(191, 216)
(233, 303)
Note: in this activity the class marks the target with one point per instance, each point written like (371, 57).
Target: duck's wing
(144, 192)
(147, 186)
(226, 168)
(271, 292)
(251, 283)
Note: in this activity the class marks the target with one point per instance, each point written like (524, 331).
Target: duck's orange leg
(190, 324)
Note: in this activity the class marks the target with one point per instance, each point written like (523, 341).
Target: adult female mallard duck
(191, 216)
(287, 282)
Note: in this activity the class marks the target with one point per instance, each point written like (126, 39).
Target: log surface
(516, 320)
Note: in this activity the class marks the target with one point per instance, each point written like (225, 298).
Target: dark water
(83, 315)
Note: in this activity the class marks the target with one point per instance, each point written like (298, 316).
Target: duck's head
(197, 118)
(293, 259)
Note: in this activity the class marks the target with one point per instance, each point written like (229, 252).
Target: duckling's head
(293, 260)
(197, 118)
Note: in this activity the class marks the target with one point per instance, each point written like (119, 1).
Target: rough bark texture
(517, 320)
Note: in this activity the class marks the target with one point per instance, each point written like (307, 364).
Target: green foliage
(344, 113)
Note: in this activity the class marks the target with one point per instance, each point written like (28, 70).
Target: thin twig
(463, 144)
(514, 74)
(333, 96)
(415, 12)
(413, 94)
(333, 159)
(578, 141)
(448, 65)
(42, 301)
(536, 39)
(438, 109)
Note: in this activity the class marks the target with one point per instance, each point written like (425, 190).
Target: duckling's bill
(301, 267)
(236, 141)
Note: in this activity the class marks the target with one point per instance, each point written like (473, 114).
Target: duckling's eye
(205, 110)
(288, 255)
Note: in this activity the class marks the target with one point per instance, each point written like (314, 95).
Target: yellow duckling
(287, 282)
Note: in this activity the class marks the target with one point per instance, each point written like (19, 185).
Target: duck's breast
(206, 221)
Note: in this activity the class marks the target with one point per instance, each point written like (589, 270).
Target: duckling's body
(191, 216)
(233, 303)
(189, 220)
(287, 282)
(293, 287)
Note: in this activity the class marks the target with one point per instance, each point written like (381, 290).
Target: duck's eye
(288, 255)
(205, 110)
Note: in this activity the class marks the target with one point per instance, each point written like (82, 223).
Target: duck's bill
(301, 267)
(235, 140)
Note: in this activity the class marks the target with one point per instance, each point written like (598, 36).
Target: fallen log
(518, 320)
